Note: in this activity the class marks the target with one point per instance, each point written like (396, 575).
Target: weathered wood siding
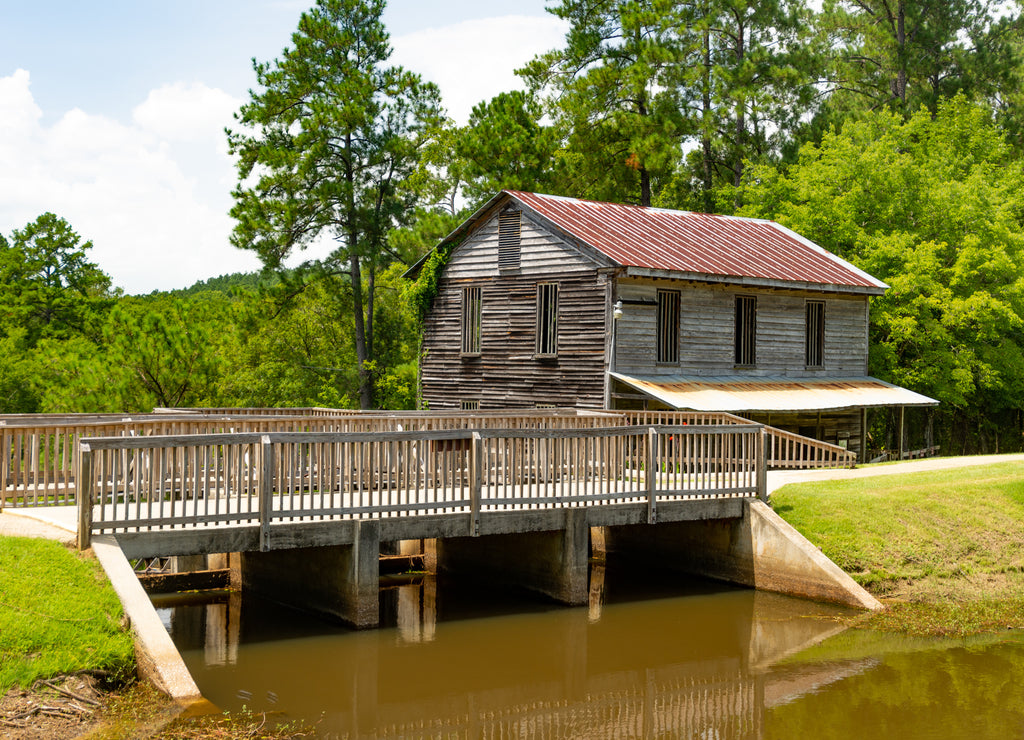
(706, 326)
(506, 374)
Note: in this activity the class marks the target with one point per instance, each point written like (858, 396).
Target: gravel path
(22, 523)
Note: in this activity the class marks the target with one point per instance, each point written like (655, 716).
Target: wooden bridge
(39, 453)
(166, 495)
(308, 500)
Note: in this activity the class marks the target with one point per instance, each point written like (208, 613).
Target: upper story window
(471, 321)
(465, 405)
(510, 225)
(668, 326)
(814, 347)
(547, 320)
(746, 330)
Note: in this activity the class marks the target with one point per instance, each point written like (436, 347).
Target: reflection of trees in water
(914, 688)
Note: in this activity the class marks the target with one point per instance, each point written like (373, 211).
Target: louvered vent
(509, 233)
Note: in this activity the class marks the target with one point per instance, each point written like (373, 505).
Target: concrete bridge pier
(338, 581)
(554, 562)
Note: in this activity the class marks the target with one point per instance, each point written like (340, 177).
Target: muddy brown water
(652, 656)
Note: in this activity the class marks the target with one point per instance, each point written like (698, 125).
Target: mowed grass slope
(946, 546)
(58, 614)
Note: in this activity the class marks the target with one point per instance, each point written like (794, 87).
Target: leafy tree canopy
(933, 206)
(48, 287)
(330, 149)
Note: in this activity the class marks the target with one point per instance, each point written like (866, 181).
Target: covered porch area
(832, 410)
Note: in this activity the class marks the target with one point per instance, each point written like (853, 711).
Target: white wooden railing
(131, 484)
(38, 454)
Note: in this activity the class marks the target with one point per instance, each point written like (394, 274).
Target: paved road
(779, 478)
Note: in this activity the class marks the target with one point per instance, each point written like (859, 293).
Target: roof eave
(468, 225)
(755, 282)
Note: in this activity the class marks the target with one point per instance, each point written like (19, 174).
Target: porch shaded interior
(832, 410)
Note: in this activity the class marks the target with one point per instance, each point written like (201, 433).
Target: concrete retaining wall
(156, 655)
(758, 549)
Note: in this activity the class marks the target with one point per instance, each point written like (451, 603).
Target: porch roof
(745, 394)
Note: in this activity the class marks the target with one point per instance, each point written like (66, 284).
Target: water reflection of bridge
(566, 674)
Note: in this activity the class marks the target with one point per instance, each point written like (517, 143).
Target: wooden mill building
(550, 301)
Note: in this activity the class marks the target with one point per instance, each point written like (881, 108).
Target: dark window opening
(815, 329)
(469, 405)
(746, 329)
(668, 326)
(471, 321)
(547, 320)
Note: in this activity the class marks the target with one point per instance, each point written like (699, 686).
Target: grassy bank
(58, 614)
(943, 550)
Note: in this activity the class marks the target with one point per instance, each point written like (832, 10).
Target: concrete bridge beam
(554, 563)
(338, 581)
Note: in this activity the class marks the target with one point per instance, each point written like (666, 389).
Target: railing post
(266, 490)
(84, 480)
(762, 465)
(477, 477)
(6, 441)
(652, 475)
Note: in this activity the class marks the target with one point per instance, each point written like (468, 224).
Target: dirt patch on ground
(62, 707)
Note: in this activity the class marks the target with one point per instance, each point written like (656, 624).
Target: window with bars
(668, 326)
(746, 329)
(815, 333)
(469, 405)
(547, 320)
(510, 224)
(471, 321)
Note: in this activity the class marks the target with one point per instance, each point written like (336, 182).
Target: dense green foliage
(932, 205)
(888, 132)
(71, 623)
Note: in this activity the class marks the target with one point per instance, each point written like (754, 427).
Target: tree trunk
(706, 123)
(362, 356)
(901, 55)
(741, 119)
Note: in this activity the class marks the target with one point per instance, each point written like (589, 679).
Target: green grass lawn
(945, 549)
(58, 614)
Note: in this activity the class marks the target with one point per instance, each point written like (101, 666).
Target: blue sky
(112, 112)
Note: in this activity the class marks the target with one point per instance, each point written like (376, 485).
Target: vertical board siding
(707, 332)
(507, 374)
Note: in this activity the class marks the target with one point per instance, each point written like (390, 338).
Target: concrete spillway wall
(759, 549)
(754, 548)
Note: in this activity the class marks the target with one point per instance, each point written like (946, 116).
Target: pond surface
(652, 656)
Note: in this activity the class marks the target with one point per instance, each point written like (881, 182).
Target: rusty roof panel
(697, 243)
(742, 394)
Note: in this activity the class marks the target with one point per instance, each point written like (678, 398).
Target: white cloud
(475, 60)
(153, 192)
(181, 112)
(152, 195)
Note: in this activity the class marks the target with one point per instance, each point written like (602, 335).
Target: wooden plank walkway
(300, 489)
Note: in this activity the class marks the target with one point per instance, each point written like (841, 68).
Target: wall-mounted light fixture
(617, 310)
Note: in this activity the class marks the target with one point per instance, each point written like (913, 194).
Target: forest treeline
(891, 132)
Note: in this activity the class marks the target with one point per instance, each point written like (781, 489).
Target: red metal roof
(681, 241)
